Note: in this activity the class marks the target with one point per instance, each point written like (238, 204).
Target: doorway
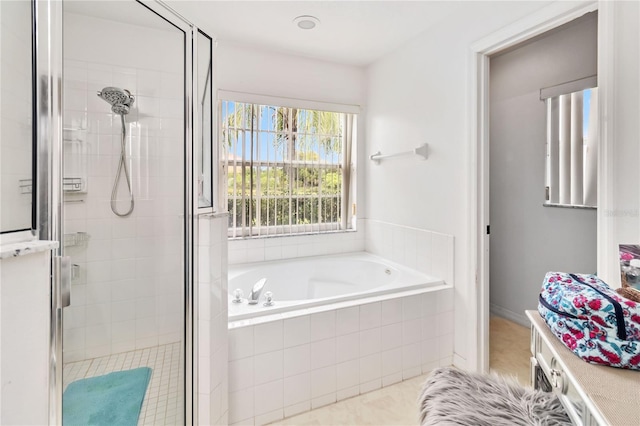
(529, 234)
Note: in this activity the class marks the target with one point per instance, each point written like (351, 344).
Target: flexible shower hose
(122, 164)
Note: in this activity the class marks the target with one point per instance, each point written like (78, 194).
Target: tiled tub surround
(426, 251)
(289, 247)
(284, 364)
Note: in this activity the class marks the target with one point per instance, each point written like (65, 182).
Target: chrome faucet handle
(254, 295)
(268, 299)
(237, 295)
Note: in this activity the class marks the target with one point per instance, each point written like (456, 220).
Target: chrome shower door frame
(50, 212)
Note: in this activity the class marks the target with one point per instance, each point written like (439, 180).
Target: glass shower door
(125, 220)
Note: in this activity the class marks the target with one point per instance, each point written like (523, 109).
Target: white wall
(129, 291)
(619, 94)
(524, 234)
(256, 71)
(419, 94)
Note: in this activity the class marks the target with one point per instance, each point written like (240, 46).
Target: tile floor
(163, 402)
(398, 404)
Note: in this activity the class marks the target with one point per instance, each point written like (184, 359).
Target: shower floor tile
(164, 399)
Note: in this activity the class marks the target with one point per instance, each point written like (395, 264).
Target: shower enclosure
(118, 190)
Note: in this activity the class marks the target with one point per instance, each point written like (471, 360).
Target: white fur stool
(454, 397)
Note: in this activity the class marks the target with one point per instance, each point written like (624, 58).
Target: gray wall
(527, 239)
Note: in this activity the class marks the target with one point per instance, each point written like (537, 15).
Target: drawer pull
(556, 378)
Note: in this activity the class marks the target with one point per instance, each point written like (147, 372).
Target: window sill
(305, 234)
(24, 248)
(569, 206)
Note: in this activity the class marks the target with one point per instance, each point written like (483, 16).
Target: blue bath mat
(113, 399)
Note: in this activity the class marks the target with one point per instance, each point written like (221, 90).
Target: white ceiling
(351, 32)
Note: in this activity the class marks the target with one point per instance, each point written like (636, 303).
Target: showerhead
(120, 99)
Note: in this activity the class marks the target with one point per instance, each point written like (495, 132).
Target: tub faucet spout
(254, 295)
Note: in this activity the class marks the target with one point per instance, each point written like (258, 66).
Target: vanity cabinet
(591, 394)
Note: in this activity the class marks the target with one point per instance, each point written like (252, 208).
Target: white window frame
(288, 230)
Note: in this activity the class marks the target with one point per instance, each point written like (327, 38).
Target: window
(572, 132)
(287, 170)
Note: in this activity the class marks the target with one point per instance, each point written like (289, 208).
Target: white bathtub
(323, 280)
(341, 326)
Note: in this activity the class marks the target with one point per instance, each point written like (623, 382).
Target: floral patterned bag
(591, 319)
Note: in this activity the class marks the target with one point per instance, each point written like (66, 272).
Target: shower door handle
(62, 271)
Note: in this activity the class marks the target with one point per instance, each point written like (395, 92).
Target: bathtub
(315, 281)
(341, 326)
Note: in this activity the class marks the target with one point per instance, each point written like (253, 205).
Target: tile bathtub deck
(163, 401)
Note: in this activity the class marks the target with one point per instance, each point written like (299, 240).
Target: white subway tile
(347, 320)
(323, 325)
(347, 393)
(429, 303)
(430, 328)
(445, 300)
(444, 323)
(323, 382)
(370, 315)
(240, 343)
(430, 350)
(369, 341)
(268, 367)
(411, 308)
(411, 372)
(411, 356)
(371, 385)
(297, 408)
(297, 389)
(297, 331)
(240, 374)
(323, 353)
(446, 346)
(267, 337)
(348, 374)
(268, 418)
(321, 401)
(391, 379)
(241, 405)
(424, 252)
(370, 368)
(297, 360)
(391, 336)
(348, 347)
(411, 331)
(391, 311)
(391, 361)
(268, 397)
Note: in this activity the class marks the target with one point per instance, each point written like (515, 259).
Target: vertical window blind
(286, 170)
(572, 150)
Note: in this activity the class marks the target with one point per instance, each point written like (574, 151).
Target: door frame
(50, 208)
(478, 111)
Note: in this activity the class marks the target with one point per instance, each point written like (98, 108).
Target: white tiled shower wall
(129, 290)
(293, 364)
(213, 377)
(15, 115)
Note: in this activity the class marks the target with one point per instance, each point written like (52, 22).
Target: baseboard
(510, 315)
